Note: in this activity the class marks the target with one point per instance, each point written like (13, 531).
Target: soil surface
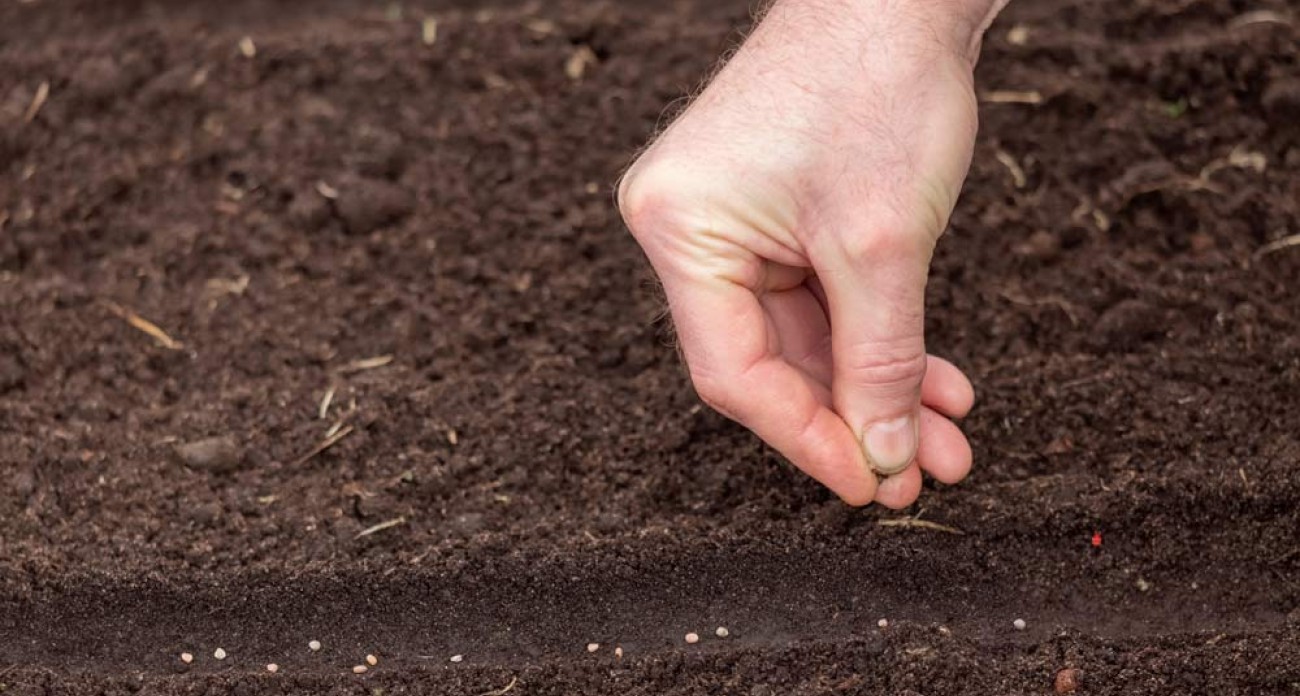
(311, 329)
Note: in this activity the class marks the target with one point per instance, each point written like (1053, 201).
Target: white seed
(360, 669)
(372, 660)
(692, 638)
(593, 647)
(187, 658)
(1019, 624)
(457, 658)
(273, 668)
(618, 652)
(883, 623)
(219, 654)
(722, 632)
(314, 645)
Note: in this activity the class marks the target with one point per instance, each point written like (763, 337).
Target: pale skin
(791, 213)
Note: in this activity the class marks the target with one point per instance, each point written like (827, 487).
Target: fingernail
(891, 445)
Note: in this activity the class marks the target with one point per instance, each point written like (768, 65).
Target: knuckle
(883, 243)
(884, 367)
(646, 194)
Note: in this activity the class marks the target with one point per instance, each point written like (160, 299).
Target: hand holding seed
(791, 214)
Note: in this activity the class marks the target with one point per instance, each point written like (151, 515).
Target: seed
(372, 660)
(187, 658)
(883, 623)
(314, 645)
(593, 647)
(1019, 624)
(692, 638)
(618, 652)
(219, 654)
(360, 669)
(457, 658)
(273, 668)
(1067, 680)
(722, 632)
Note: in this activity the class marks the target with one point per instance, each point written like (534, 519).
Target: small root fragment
(379, 528)
(503, 690)
(326, 444)
(1259, 17)
(144, 325)
(323, 411)
(366, 364)
(1017, 174)
(576, 66)
(1277, 245)
(912, 522)
(1006, 96)
(42, 95)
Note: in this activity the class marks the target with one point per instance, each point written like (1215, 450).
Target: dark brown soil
(556, 482)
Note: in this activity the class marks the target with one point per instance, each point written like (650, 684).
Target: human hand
(791, 213)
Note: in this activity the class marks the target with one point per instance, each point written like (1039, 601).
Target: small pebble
(314, 645)
(1019, 624)
(360, 669)
(692, 638)
(722, 632)
(593, 647)
(215, 454)
(945, 631)
(273, 668)
(372, 660)
(883, 623)
(1067, 680)
(219, 654)
(187, 658)
(618, 652)
(457, 658)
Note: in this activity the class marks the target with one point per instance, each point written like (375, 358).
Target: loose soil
(348, 192)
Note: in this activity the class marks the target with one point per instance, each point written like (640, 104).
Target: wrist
(956, 24)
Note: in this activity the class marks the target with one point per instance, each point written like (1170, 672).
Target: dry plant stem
(381, 527)
(141, 324)
(919, 524)
(328, 443)
(503, 690)
(1278, 245)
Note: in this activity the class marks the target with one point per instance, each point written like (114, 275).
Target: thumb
(874, 278)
